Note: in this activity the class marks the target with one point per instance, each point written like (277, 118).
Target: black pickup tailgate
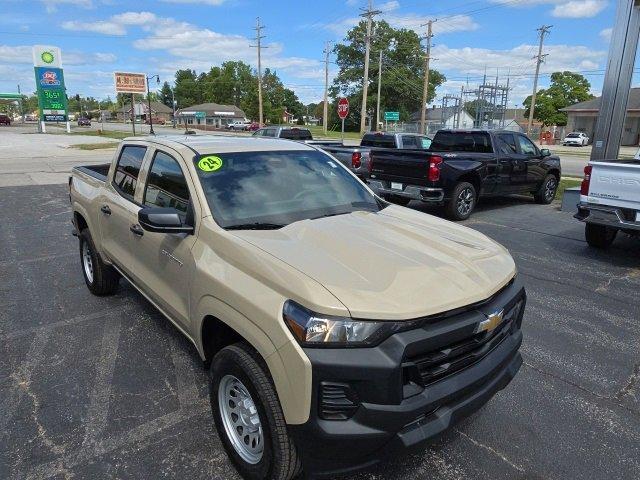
(402, 165)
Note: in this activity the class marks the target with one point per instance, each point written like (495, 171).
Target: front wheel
(547, 192)
(599, 236)
(463, 201)
(248, 416)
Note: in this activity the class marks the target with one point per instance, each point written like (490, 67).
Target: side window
(270, 132)
(166, 185)
(426, 142)
(128, 169)
(507, 144)
(527, 147)
(409, 142)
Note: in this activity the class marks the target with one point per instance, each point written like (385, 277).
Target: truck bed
(98, 172)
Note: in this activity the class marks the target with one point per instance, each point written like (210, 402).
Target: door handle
(136, 230)
(105, 209)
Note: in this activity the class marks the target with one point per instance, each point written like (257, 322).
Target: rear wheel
(248, 416)
(463, 201)
(547, 192)
(599, 236)
(101, 279)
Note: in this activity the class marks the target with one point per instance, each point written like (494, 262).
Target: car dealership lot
(106, 387)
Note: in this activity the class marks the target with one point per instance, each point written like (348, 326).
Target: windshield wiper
(255, 226)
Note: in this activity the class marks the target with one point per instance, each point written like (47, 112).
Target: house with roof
(437, 119)
(159, 111)
(210, 115)
(582, 117)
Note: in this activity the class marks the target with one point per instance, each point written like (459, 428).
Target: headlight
(319, 330)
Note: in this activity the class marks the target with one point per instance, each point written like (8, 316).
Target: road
(107, 388)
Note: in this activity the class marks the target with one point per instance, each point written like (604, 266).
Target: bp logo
(47, 57)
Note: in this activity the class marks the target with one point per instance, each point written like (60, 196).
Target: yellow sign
(210, 163)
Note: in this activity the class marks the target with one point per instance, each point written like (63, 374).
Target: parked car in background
(254, 126)
(463, 165)
(610, 201)
(357, 158)
(340, 330)
(578, 139)
(240, 125)
(156, 121)
(84, 122)
(4, 119)
(289, 132)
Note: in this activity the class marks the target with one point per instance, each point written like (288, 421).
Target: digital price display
(53, 100)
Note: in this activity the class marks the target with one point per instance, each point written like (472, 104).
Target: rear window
(474, 142)
(378, 140)
(296, 134)
(573, 135)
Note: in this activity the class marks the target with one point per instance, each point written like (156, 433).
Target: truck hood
(397, 264)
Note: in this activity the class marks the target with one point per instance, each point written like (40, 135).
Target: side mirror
(162, 220)
(545, 152)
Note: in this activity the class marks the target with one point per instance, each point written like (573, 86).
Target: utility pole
(539, 60)
(325, 110)
(379, 88)
(259, 46)
(369, 14)
(425, 88)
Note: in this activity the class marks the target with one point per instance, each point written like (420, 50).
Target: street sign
(343, 108)
(130, 82)
(392, 116)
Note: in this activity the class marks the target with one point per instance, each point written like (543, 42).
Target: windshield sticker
(210, 163)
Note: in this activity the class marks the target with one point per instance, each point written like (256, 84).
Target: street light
(157, 77)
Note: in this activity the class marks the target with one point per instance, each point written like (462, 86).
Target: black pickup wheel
(463, 201)
(599, 236)
(548, 189)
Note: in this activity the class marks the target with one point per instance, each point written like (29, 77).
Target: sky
(98, 37)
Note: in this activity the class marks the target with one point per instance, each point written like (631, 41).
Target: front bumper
(392, 414)
(414, 192)
(614, 217)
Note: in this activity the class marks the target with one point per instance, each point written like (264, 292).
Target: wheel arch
(473, 178)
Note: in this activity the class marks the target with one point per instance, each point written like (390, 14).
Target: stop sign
(343, 108)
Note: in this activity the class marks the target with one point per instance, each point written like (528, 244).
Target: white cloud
(52, 5)
(579, 9)
(115, 25)
(563, 8)
(606, 34)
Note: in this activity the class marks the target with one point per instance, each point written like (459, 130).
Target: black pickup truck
(461, 166)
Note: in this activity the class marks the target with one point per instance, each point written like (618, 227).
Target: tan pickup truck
(339, 329)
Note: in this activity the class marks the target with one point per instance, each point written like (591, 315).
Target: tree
(402, 72)
(566, 89)
(165, 96)
(187, 88)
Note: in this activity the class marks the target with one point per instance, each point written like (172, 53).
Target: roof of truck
(206, 144)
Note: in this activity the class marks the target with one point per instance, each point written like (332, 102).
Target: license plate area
(396, 186)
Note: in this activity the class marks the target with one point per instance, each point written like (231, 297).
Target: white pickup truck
(610, 201)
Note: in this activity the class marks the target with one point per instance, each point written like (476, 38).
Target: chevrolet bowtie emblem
(491, 323)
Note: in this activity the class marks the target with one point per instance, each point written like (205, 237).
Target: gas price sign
(52, 96)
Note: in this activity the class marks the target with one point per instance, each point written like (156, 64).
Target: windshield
(573, 135)
(256, 190)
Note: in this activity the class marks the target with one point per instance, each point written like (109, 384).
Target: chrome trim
(410, 191)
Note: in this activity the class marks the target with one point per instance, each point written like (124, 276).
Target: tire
(278, 459)
(101, 279)
(548, 190)
(599, 236)
(398, 200)
(462, 203)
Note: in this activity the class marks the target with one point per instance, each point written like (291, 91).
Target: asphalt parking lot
(107, 388)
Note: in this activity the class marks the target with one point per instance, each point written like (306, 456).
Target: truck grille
(455, 357)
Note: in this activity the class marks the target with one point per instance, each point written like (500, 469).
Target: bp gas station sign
(52, 94)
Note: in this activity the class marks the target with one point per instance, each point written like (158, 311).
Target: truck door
(119, 209)
(164, 264)
(533, 158)
(512, 171)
